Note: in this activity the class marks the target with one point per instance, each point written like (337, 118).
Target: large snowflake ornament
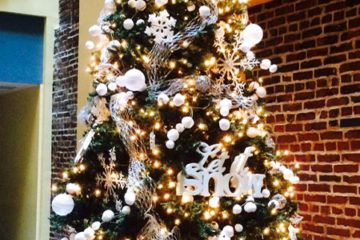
(109, 178)
(161, 26)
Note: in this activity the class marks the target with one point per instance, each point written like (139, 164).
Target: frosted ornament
(140, 5)
(198, 176)
(191, 8)
(89, 233)
(95, 30)
(128, 24)
(250, 207)
(129, 197)
(224, 124)
(265, 64)
(224, 111)
(112, 86)
(101, 89)
(266, 193)
(170, 144)
(252, 132)
(72, 188)
(89, 45)
(96, 225)
(126, 210)
(107, 216)
(204, 11)
(188, 122)
(214, 202)
(237, 209)
(140, 22)
(252, 34)
(173, 135)
(80, 236)
(261, 92)
(228, 230)
(180, 127)
(250, 55)
(273, 68)
(160, 3)
(62, 204)
(179, 99)
(134, 80)
(239, 227)
(163, 98)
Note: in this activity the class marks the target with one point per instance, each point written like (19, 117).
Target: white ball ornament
(273, 68)
(101, 89)
(134, 80)
(129, 197)
(224, 111)
(163, 98)
(170, 144)
(96, 225)
(160, 3)
(180, 127)
(179, 99)
(237, 209)
(204, 11)
(223, 236)
(132, 3)
(62, 204)
(261, 92)
(191, 8)
(250, 207)
(214, 202)
(95, 30)
(71, 188)
(140, 22)
(112, 86)
(187, 198)
(107, 216)
(89, 233)
(225, 103)
(253, 34)
(126, 210)
(224, 124)
(128, 24)
(80, 236)
(120, 81)
(173, 135)
(239, 227)
(250, 55)
(245, 47)
(130, 95)
(265, 193)
(89, 45)
(140, 5)
(228, 230)
(252, 132)
(188, 122)
(265, 64)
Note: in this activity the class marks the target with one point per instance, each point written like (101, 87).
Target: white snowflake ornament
(161, 26)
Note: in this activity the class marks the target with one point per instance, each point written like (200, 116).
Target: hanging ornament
(214, 202)
(170, 144)
(89, 233)
(96, 225)
(188, 122)
(237, 209)
(80, 236)
(140, 5)
(273, 68)
(101, 89)
(252, 34)
(72, 188)
(187, 198)
(161, 3)
(140, 22)
(126, 210)
(89, 45)
(204, 11)
(62, 204)
(266, 193)
(163, 98)
(128, 24)
(130, 197)
(261, 92)
(265, 64)
(250, 207)
(180, 127)
(107, 216)
(228, 230)
(252, 132)
(239, 227)
(95, 30)
(134, 80)
(224, 124)
(179, 99)
(173, 135)
(250, 55)
(191, 7)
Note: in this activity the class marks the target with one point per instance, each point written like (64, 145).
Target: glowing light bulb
(177, 221)
(156, 164)
(266, 231)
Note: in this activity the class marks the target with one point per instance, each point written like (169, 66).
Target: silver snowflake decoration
(247, 64)
(109, 178)
(161, 26)
(228, 66)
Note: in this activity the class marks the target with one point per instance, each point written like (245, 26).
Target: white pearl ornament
(250, 207)
(134, 80)
(89, 45)
(62, 204)
(180, 127)
(163, 98)
(126, 210)
(107, 216)
(101, 89)
(95, 30)
(129, 197)
(237, 209)
(204, 11)
(96, 225)
(273, 68)
(89, 233)
(160, 3)
(261, 92)
(228, 230)
(252, 34)
(173, 135)
(179, 99)
(265, 64)
(80, 236)
(188, 122)
(128, 24)
(224, 124)
(265, 193)
(239, 227)
(170, 144)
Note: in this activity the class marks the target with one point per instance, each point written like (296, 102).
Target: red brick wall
(315, 103)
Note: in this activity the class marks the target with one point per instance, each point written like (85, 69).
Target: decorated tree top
(177, 146)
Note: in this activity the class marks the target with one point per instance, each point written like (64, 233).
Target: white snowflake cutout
(161, 26)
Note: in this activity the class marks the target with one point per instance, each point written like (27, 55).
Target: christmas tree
(177, 146)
